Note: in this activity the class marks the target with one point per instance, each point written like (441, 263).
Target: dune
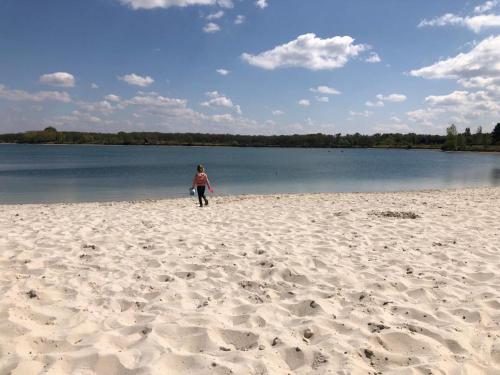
(348, 283)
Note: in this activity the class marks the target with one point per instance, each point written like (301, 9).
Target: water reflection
(495, 176)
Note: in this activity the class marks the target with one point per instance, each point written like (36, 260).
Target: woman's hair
(200, 168)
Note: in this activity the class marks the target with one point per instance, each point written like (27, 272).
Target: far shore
(417, 148)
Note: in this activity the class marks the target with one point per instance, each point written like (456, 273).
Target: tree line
(455, 141)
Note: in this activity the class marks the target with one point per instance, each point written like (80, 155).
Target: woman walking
(199, 182)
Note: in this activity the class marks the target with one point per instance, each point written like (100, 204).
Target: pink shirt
(201, 179)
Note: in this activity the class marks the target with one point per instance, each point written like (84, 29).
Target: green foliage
(495, 135)
(452, 141)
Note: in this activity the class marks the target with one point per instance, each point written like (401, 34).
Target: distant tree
(461, 142)
(50, 129)
(495, 135)
(468, 137)
(479, 130)
(451, 138)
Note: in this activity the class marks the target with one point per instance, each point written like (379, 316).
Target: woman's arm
(209, 187)
(193, 185)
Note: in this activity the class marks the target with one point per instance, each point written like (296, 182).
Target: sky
(249, 66)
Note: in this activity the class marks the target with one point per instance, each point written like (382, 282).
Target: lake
(71, 173)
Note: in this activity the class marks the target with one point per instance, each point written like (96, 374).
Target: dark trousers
(201, 194)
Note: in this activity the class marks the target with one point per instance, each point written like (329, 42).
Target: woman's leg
(201, 194)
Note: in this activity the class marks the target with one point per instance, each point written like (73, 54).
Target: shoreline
(252, 196)
(405, 148)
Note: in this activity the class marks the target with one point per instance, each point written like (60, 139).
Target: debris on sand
(369, 354)
(395, 214)
(32, 294)
(308, 333)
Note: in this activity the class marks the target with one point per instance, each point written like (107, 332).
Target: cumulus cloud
(310, 52)
(94, 86)
(40, 96)
(379, 103)
(394, 98)
(262, 4)
(381, 99)
(102, 107)
(218, 100)
(470, 104)
(211, 27)
(239, 19)
(479, 67)
(304, 103)
(475, 23)
(58, 79)
(151, 4)
(112, 98)
(361, 114)
(325, 90)
(373, 58)
(323, 99)
(278, 113)
(392, 127)
(486, 7)
(216, 15)
(137, 80)
(460, 106)
(223, 72)
(154, 100)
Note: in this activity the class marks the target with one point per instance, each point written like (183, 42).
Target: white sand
(168, 288)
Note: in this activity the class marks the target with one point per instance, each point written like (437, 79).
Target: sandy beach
(392, 283)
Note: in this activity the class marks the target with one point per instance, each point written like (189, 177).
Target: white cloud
(221, 101)
(239, 19)
(152, 4)
(94, 86)
(304, 103)
(374, 104)
(394, 98)
(479, 67)
(323, 99)
(225, 3)
(362, 114)
(153, 100)
(461, 107)
(392, 127)
(278, 113)
(486, 7)
(216, 15)
(211, 27)
(475, 23)
(227, 117)
(59, 79)
(373, 58)
(381, 99)
(223, 72)
(469, 104)
(40, 96)
(137, 80)
(103, 107)
(310, 52)
(218, 100)
(262, 4)
(112, 98)
(325, 90)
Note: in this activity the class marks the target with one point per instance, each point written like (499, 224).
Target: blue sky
(249, 66)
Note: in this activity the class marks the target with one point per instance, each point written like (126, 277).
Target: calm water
(32, 173)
